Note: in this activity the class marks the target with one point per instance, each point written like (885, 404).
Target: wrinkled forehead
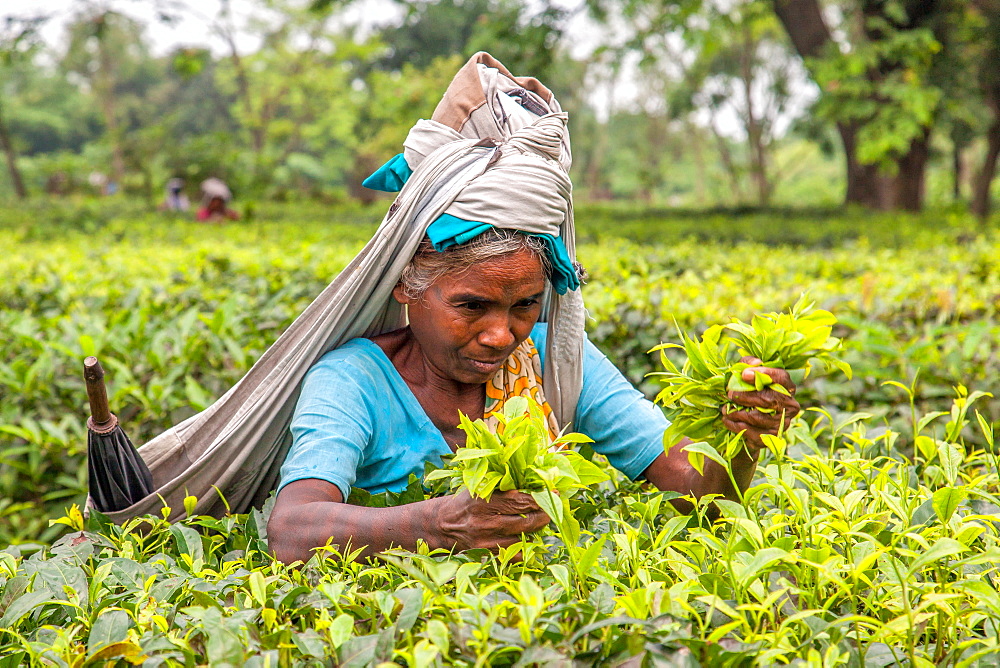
(505, 279)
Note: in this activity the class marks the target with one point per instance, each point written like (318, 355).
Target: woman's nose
(497, 333)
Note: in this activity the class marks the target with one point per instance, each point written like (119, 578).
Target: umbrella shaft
(96, 391)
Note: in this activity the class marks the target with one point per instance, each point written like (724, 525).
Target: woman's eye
(470, 306)
(527, 303)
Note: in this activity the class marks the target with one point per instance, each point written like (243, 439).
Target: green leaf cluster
(519, 455)
(697, 391)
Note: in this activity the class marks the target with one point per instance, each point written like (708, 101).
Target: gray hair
(428, 265)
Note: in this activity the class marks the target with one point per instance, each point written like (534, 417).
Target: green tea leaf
(947, 500)
(110, 627)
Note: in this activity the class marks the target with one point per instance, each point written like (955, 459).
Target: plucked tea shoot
(695, 393)
(521, 455)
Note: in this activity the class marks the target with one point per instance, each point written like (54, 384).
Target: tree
(292, 99)
(988, 78)
(17, 41)
(387, 106)
(415, 58)
(182, 126)
(879, 75)
(742, 67)
(521, 36)
(713, 62)
(106, 50)
(47, 113)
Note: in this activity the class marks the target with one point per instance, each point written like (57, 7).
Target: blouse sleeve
(627, 428)
(331, 427)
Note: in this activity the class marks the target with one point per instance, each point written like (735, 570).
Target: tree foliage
(522, 36)
(884, 69)
(17, 39)
(681, 101)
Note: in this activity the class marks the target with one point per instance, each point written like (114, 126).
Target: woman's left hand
(752, 422)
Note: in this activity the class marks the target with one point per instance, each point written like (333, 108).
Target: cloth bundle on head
(480, 161)
(485, 102)
(212, 188)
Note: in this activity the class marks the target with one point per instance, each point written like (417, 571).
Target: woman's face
(467, 324)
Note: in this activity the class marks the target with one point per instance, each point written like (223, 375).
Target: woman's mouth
(486, 366)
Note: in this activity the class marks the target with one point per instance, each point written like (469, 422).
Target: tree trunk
(699, 162)
(989, 82)
(804, 23)
(8, 149)
(727, 159)
(957, 171)
(257, 130)
(869, 187)
(593, 177)
(754, 125)
(862, 180)
(907, 186)
(105, 89)
(984, 177)
(656, 132)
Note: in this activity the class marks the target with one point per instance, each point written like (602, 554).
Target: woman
(498, 248)
(370, 402)
(215, 198)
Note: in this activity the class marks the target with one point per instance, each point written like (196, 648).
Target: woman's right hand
(469, 523)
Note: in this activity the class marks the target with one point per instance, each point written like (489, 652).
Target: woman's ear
(399, 294)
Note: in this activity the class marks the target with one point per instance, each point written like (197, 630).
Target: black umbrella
(118, 476)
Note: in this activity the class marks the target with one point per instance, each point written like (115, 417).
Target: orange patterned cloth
(520, 376)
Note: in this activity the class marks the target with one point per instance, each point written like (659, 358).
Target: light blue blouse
(357, 422)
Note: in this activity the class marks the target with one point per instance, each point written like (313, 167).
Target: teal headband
(448, 230)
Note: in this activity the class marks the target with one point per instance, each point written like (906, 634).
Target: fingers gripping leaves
(521, 456)
(701, 392)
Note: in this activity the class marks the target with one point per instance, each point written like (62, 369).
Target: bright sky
(192, 28)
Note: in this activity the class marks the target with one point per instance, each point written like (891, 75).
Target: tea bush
(869, 538)
(844, 553)
(177, 311)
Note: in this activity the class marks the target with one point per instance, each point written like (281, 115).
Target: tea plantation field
(871, 536)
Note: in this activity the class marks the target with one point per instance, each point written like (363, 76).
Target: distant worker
(99, 182)
(175, 199)
(215, 197)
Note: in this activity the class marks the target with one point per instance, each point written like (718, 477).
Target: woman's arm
(310, 513)
(672, 472)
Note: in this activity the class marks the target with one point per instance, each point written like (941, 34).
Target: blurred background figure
(215, 198)
(175, 199)
(99, 182)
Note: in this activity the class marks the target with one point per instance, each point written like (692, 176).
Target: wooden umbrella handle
(100, 414)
